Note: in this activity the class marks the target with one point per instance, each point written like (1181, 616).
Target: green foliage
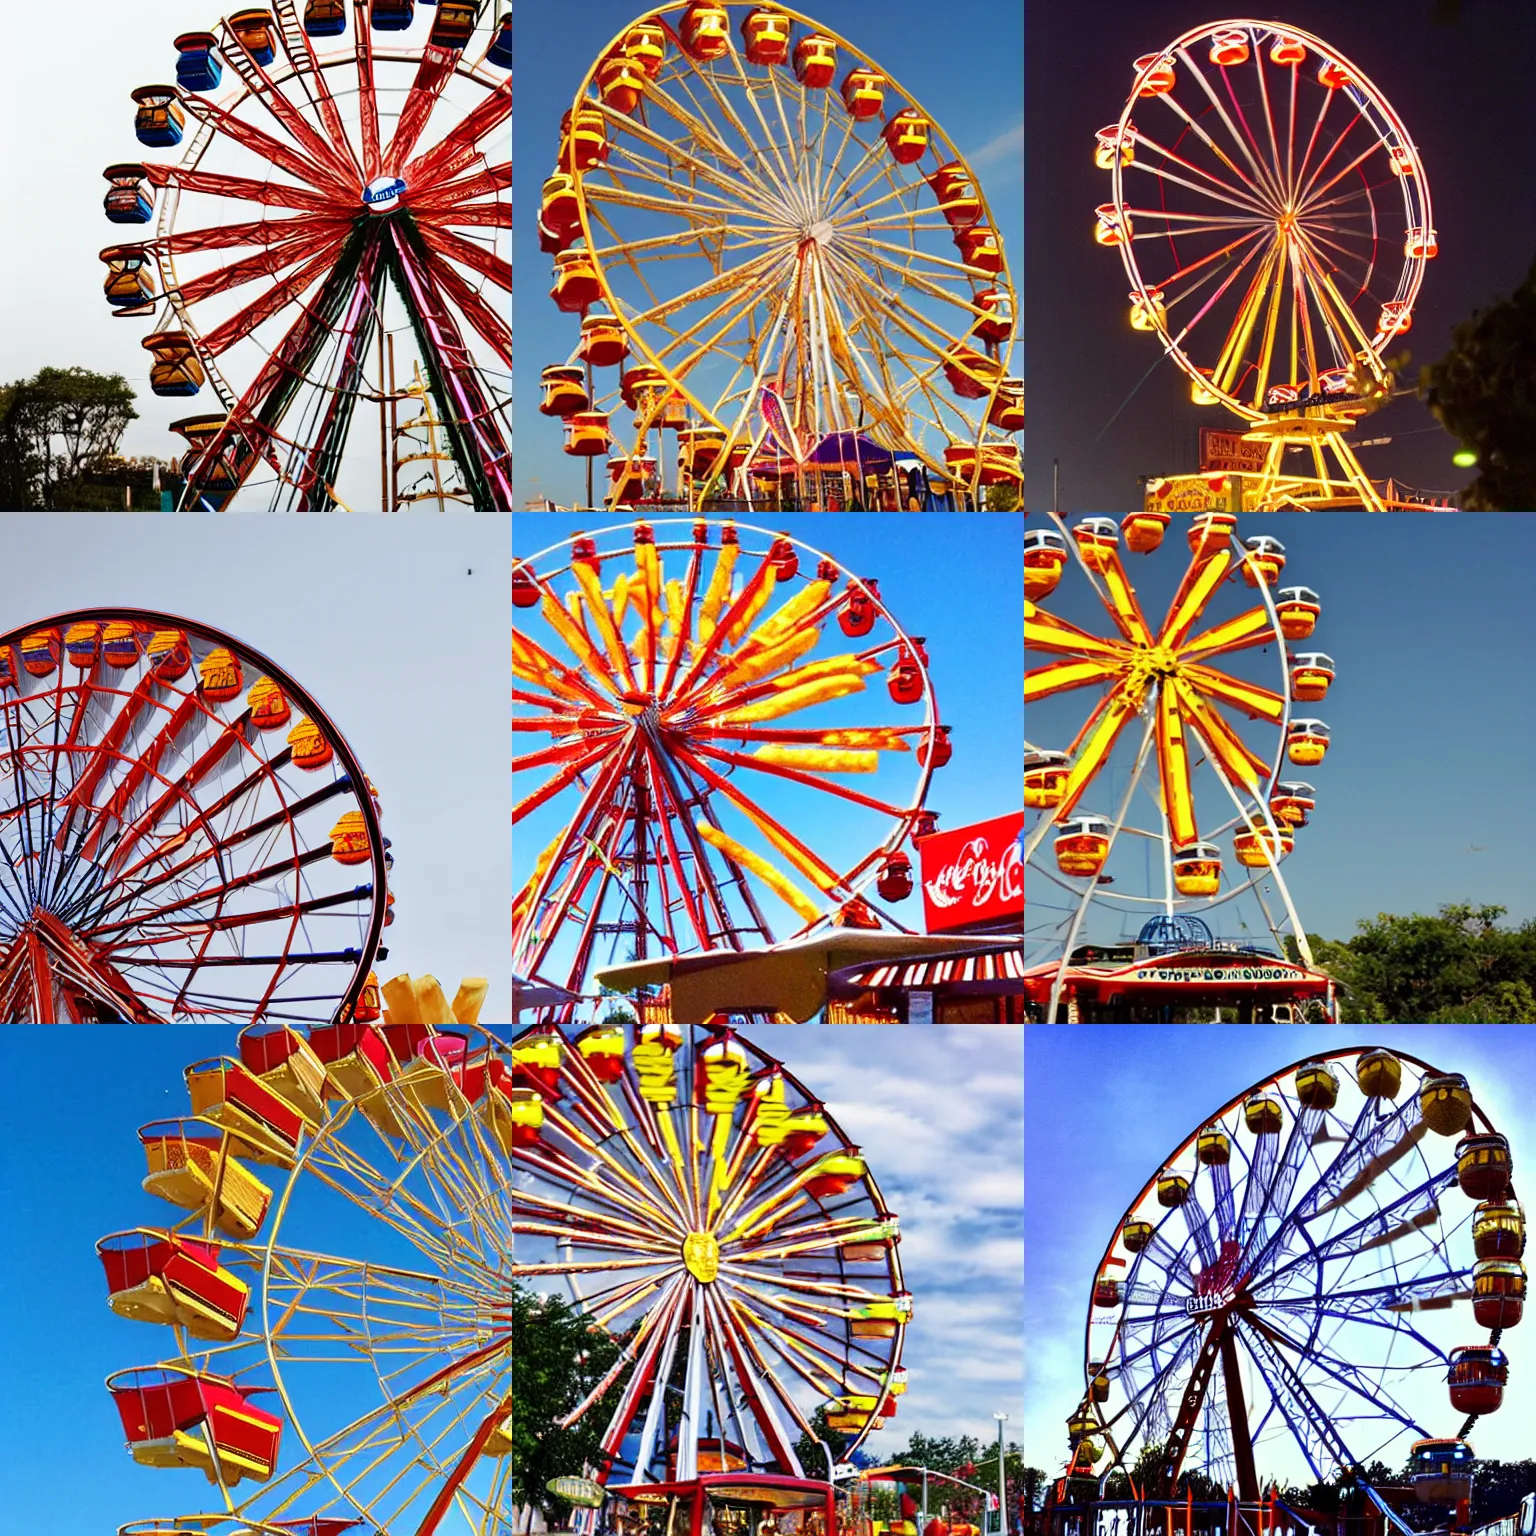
(1456, 967)
(58, 430)
(558, 1360)
(1003, 497)
(1484, 392)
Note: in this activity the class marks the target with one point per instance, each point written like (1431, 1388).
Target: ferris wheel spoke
(750, 273)
(735, 309)
(1205, 574)
(548, 673)
(1311, 188)
(1173, 769)
(321, 168)
(276, 299)
(489, 265)
(1239, 762)
(1209, 185)
(1046, 631)
(432, 74)
(1297, 1405)
(1250, 628)
(243, 189)
(443, 200)
(1255, 702)
(458, 149)
(1257, 181)
(1372, 1151)
(1340, 315)
(479, 215)
(1063, 676)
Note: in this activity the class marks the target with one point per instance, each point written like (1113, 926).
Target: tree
(56, 429)
(1484, 392)
(1458, 966)
(559, 1358)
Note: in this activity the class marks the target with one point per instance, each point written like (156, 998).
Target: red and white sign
(973, 877)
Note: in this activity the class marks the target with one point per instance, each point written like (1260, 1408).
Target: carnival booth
(1176, 969)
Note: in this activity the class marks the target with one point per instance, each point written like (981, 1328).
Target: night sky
(1463, 88)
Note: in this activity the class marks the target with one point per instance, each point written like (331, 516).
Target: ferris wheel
(798, 278)
(352, 161)
(1286, 1298)
(327, 1312)
(185, 836)
(1274, 220)
(1212, 746)
(707, 691)
(707, 1212)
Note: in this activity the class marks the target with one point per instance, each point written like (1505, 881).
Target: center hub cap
(701, 1256)
(383, 194)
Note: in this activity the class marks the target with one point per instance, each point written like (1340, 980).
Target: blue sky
(951, 578)
(1105, 1104)
(969, 77)
(1422, 799)
(380, 619)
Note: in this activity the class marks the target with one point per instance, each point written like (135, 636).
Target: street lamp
(1002, 1478)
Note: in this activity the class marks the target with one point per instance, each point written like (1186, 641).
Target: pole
(1002, 1478)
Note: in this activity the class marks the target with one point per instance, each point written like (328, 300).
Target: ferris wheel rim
(1412, 274)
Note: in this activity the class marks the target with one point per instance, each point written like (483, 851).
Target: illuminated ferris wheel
(1274, 221)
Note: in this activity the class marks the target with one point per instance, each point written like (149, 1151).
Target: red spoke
(144, 767)
(231, 737)
(432, 74)
(495, 215)
(458, 150)
(367, 96)
(276, 259)
(567, 775)
(226, 237)
(269, 193)
(323, 171)
(239, 326)
(468, 254)
(438, 199)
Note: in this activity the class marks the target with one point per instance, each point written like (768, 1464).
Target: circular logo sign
(383, 194)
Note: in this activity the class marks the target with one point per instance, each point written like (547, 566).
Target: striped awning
(924, 975)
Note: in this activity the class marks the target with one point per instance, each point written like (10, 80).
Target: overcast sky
(397, 626)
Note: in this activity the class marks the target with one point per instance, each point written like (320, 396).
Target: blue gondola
(196, 67)
(391, 15)
(128, 201)
(325, 18)
(500, 51)
(159, 120)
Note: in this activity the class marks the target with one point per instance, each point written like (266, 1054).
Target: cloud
(1005, 146)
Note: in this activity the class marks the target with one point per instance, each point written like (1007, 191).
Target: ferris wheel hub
(821, 232)
(701, 1256)
(383, 195)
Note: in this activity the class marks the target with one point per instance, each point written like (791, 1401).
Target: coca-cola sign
(973, 877)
